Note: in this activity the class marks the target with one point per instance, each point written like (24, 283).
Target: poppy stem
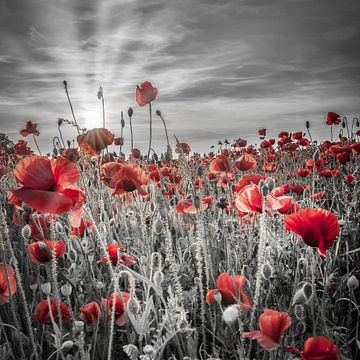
(331, 129)
(71, 107)
(103, 108)
(150, 135)
(37, 146)
(131, 132)
(166, 132)
(122, 132)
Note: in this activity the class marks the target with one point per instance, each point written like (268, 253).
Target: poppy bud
(158, 278)
(299, 311)
(300, 328)
(148, 350)
(133, 305)
(197, 202)
(352, 282)
(163, 212)
(316, 156)
(130, 112)
(308, 290)
(68, 143)
(158, 112)
(307, 124)
(99, 94)
(67, 345)
(46, 288)
(79, 326)
(26, 232)
(271, 184)
(231, 314)
(343, 124)
(33, 286)
(200, 171)
(264, 189)
(59, 228)
(266, 271)
(60, 121)
(357, 123)
(222, 203)
(66, 290)
(132, 351)
(99, 284)
(158, 227)
(65, 83)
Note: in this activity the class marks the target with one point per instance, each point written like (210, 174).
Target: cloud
(221, 67)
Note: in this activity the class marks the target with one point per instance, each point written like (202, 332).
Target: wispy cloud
(223, 69)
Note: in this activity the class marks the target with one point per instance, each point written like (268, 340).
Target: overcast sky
(223, 69)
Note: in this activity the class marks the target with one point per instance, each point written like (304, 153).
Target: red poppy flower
(220, 165)
(317, 227)
(128, 179)
(239, 143)
(297, 135)
(350, 179)
(273, 325)
(265, 144)
(145, 93)
(303, 172)
(355, 148)
(42, 311)
(41, 251)
(119, 141)
(21, 148)
(249, 199)
(120, 302)
(319, 195)
(91, 313)
(262, 132)
(184, 147)
(72, 154)
(30, 128)
(48, 185)
(186, 206)
(304, 142)
(317, 348)
(333, 118)
(247, 179)
(80, 231)
(230, 288)
(246, 162)
(113, 251)
(7, 284)
(135, 153)
(288, 205)
(95, 140)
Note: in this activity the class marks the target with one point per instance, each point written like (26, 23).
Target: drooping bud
(133, 305)
(158, 278)
(67, 345)
(266, 271)
(158, 112)
(130, 112)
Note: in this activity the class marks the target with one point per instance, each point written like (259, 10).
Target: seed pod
(66, 290)
(46, 288)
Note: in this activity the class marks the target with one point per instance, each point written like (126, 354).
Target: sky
(223, 69)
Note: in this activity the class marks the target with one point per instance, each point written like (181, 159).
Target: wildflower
(246, 162)
(95, 140)
(41, 251)
(273, 325)
(317, 348)
(21, 148)
(80, 230)
(220, 165)
(7, 283)
(249, 199)
(333, 118)
(145, 93)
(317, 227)
(30, 128)
(183, 147)
(247, 179)
(120, 302)
(113, 251)
(48, 185)
(72, 154)
(42, 311)
(262, 132)
(231, 291)
(91, 312)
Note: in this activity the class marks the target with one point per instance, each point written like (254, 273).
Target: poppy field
(247, 252)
